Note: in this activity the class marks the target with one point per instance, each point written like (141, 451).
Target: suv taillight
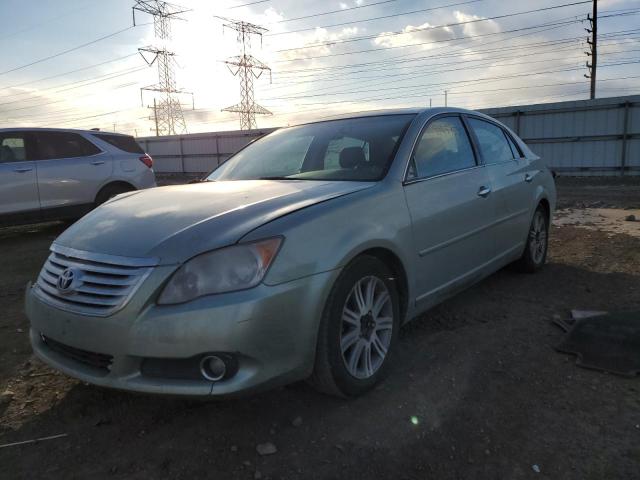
(147, 160)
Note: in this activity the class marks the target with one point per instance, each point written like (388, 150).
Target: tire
(363, 363)
(110, 191)
(535, 252)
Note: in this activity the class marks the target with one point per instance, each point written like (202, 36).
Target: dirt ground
(477, 390)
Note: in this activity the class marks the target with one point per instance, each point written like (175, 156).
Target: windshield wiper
(277, 178)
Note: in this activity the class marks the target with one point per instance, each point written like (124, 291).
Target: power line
(502, 77)
(342, 10)
(402, 58)
(393, 64)
(551, 25)
(489, 63)
(29, 82)
(100, 79)
(377, 49)
(415, 68)
(62, 87)
(435, 27)
(393, 47)
(379, 67)
(250, 3)
(64, 52)
(50, 20)
(422, 10)
(432, 93)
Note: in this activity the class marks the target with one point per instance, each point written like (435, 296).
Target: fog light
(213, 368)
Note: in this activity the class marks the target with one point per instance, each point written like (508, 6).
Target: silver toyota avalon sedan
(299, 258)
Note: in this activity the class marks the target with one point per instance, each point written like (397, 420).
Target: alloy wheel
(367, 327)
(538, 237)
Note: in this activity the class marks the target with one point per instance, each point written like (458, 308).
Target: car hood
(177, 222)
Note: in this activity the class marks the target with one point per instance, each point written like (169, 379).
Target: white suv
(54, 174)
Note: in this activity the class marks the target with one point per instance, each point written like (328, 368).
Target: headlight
(232, 268)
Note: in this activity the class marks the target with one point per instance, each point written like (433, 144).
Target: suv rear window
(123, 142)
(52, 145)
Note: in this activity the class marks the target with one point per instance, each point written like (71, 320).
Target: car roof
(72, 130)
(395, 111)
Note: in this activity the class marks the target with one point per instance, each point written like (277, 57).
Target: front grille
(92, 359)
(93, 284)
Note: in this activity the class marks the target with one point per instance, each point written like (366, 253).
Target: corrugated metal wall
(586, 137)
(198, 152)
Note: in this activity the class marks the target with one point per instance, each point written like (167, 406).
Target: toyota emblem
(66, 280)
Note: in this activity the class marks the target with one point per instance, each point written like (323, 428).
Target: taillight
(147, 160)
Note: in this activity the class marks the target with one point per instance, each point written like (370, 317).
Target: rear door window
(123, 142)
(52, 145)
(492, 141)
(12, 148)
(443, 147)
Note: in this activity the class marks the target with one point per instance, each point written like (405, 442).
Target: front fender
(329, 235)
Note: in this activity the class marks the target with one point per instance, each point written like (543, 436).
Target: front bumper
(270, 330)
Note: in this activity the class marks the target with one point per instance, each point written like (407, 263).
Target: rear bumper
(270, 330)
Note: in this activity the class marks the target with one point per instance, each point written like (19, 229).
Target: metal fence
(585, 137)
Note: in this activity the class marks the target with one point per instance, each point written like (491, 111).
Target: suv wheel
(110, 191)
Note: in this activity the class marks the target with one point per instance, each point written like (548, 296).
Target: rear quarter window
(122, 142)
(53, 145)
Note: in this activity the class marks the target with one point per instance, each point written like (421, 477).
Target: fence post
(625, 133)
(217, 150)
(181, 155)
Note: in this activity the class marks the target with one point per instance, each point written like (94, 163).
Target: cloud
(479, 27)
(321, 37)
(414, 35)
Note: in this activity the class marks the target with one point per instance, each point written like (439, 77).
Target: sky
(75, 63)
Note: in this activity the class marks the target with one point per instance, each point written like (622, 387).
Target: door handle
(98, 162)
(484, 192)
(528, 178)
(22, 169)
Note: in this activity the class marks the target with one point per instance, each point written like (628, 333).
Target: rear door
(452, 209)
(511, 182)
(18, 180)
(71, 169)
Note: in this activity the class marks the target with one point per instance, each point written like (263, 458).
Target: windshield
(351, 149)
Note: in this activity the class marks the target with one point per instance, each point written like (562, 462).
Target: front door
(18, 180)
(452, 208)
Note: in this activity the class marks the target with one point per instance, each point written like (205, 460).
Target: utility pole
(247, 68)
(593, 48)
(155, 116)
(168, 114)
(445, 98)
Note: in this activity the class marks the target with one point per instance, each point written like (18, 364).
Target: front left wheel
(358, 330)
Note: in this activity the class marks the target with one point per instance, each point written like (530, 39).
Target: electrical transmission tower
(248, 68)
(593, 48)
(167, 109)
